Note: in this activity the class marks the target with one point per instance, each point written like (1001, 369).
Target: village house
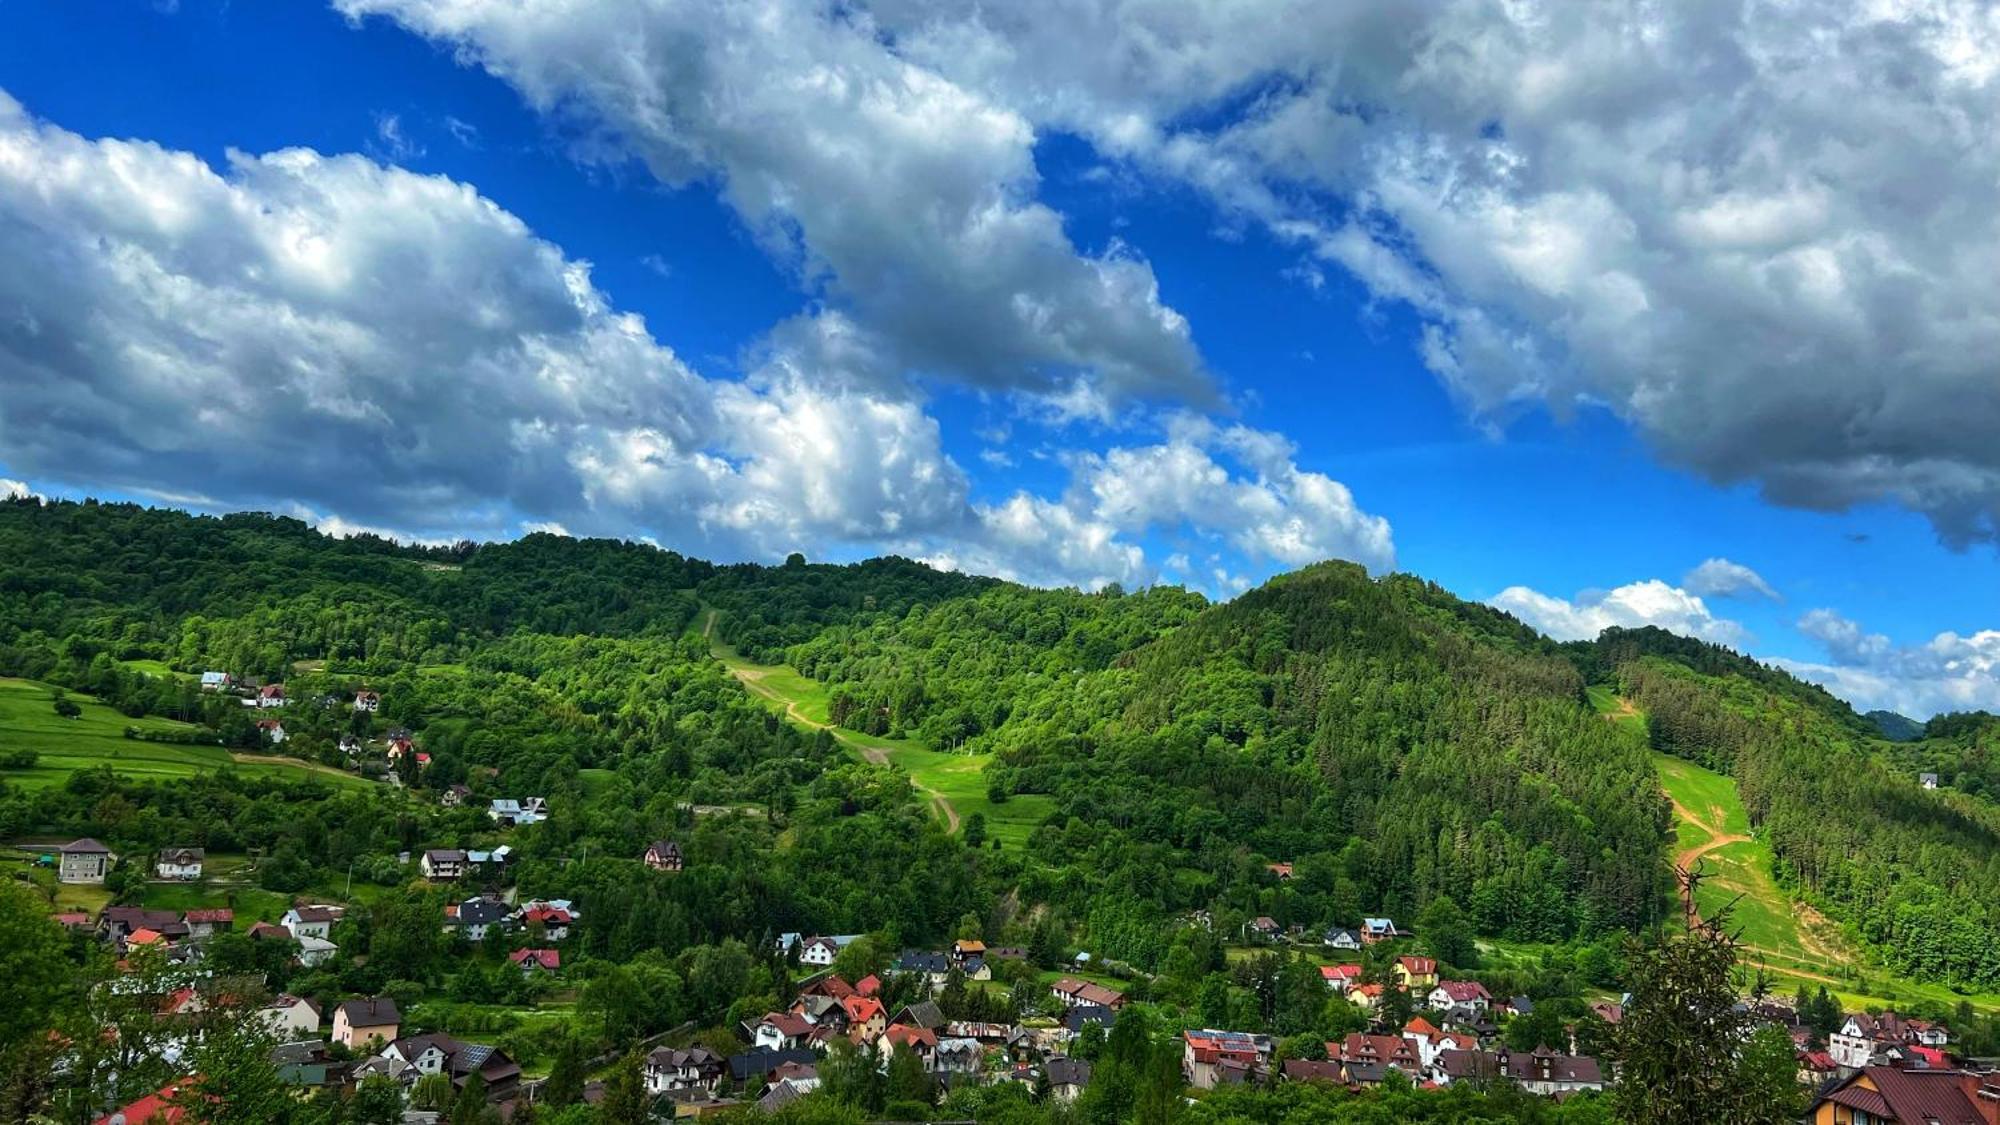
(958, 1055)
(1341, 938)
(1430, 1041)
(866, 1018)
(934, 968)
(532, 961)
(115, 924)
(217, 681)
(1416, 975)
(1281, 870)
(1928, 780)
(778, 1031)
(475, 916)
(310, 921)
(1365, 996)
(1373, 1052)
(821, 950)
(1378, 929)
(368, 701)
(509, 813)
(552, 916)
(289, 1017)
(1326, 1071)
(1340, 978)
(442, 865)
(1541, 1072)
(920, 1041)
(178, 863)
(206, 922)
(271, 695)
(412, 1058)
(663, 855)
(307, 1063)
(315, 951)
(967, 950)
(1214, 1058)
(1263, 926)
(1451, 994)
(272, 730)
(1880, 1095)
(358, 1022)
(83, 861)
(760, 1063)
(1073, 992)
(685, 1068)
(1067, 1077)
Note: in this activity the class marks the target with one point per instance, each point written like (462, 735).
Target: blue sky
(917, 279)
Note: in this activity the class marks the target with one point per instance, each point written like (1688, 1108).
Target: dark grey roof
(1064, 1071)
(370, 1012)
(764, 1061)
(482, 911)
(1075, 1018)
(923, 1013)
(920, 961)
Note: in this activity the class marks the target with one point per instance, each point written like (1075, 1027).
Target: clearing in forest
(954, 784)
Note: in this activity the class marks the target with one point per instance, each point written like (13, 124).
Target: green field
(954, 780)
(97, 738)
(1784, 937)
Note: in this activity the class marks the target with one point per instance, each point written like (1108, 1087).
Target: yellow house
(1416, 974)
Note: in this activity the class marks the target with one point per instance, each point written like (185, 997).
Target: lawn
(97, 738)
(20, 864)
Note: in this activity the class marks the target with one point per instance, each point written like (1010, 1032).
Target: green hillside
(96, 737)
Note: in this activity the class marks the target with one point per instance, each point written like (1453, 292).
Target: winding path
(753, 679)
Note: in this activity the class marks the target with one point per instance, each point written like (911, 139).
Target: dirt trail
(298, 763)
(753, 679)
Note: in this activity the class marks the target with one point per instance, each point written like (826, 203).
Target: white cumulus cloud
(1721, 578)
(1950, 672)
(380, 351)
(1637, 604)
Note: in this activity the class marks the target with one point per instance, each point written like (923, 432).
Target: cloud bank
(377, 349)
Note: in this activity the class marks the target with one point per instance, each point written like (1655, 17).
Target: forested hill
(1407, 752)
(1401, 747)
(1915, 871)
(255, 593)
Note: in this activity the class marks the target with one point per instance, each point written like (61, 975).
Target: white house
(1451, 994)
(443, 864)
(368, 701)
(310, 921)
(271, 695)
(820, 951)
(1854, 1044)
(314, 950)
(217, 681)
(290, 1017)
(178, 863)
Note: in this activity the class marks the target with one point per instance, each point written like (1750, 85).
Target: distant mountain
(1894, 727)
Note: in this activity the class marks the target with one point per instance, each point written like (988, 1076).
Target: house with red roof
(1451, 994)
(923, 1041)
(1211, 1058)
(1416, 974)
(1340, 978)
(158, 1108)
(865, 1015)
(1885, 1095)
(531, 961)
